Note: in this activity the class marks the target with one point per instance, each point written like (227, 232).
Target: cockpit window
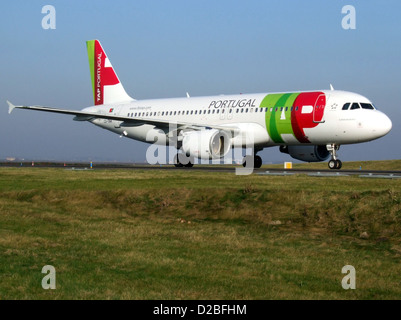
(355, 106)
(367, 106)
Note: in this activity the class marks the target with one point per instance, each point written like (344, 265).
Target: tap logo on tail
(105, 83)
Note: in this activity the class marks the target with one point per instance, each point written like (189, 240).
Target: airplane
(308, 125)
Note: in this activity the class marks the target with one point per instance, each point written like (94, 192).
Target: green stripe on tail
(90, 45)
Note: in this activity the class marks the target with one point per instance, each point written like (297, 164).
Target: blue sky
(163, 49)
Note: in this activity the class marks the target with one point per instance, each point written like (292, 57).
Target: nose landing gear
(334, 163)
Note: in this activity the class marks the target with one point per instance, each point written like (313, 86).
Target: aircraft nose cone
(383, 124)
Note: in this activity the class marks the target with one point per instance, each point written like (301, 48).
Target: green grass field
(152, 234)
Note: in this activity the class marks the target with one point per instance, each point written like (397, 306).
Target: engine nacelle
(206, 144)
(306, 153)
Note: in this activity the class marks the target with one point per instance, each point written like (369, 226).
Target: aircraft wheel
(177, 162)
(332, 164)
(246, 159)
(257, 162)
(187, 161)
(335, 164)
(189, 165)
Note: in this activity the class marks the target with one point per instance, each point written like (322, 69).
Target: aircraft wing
(87, 116)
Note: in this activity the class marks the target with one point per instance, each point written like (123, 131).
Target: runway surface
(212, 168)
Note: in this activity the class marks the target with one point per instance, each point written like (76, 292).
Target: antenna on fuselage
(331, 87)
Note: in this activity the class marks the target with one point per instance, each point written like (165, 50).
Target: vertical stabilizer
(107, 88)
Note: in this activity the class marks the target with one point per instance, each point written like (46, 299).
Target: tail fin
(107, 88)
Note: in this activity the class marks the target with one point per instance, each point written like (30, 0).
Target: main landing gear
(334, 163)
(257, 161)
(181, 160)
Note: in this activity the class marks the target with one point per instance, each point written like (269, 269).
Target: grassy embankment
(131, 234)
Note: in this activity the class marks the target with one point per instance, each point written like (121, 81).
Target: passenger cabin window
(355, 106)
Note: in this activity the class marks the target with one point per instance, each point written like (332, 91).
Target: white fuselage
(268, 126)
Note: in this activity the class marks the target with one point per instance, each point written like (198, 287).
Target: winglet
(11, 107)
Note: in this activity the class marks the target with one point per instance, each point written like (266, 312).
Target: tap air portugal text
(309, 126)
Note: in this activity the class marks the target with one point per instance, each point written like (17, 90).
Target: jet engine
(206, 144)
(306, 153)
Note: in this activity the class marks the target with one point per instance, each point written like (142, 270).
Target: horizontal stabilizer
(11, 107)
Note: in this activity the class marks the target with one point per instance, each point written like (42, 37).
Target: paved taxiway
(214, 168)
